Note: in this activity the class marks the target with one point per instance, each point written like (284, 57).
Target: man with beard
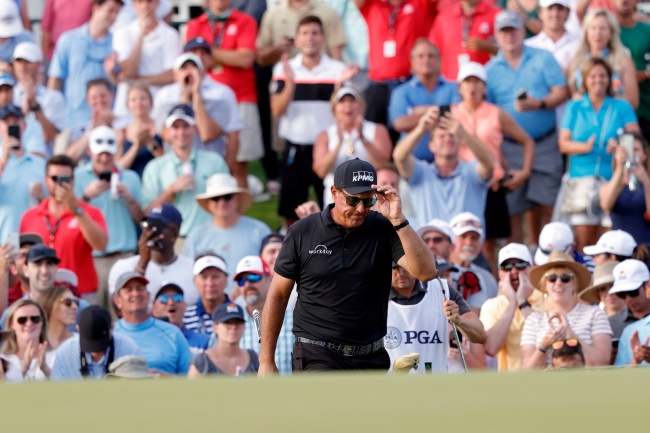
(254, 279)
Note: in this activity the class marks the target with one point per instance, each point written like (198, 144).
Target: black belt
(346, 349)
(544, 136)
(301, 147)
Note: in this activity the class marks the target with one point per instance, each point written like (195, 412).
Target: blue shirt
(7, 47)
(77, 59)
(583, 122)
(284, 346)
(196, 340)
(67, 364)
(537, 73)
(624, 355)
(413, 93)
(162, 344)
(14, 190)
(32, 139)
(122, 236)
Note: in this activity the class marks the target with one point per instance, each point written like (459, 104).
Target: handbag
(582, 194)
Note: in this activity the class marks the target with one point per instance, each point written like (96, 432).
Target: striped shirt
(284, 346)
(196, 319)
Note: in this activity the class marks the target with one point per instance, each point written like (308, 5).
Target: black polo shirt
(343, 278)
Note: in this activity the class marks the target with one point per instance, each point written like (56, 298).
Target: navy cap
(41, 252)
(170, 286)
(270, 238)
(167, 213)
(355, 176)
(10, 110)
(182, 112)
(195, 43)
(30, 239)
(94, 329)
(228, 311)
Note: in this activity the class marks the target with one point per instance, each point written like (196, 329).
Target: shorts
(296, 175)
(251, 146)
(540, 189)
(309, 357)
(497, 219)
(589, 220)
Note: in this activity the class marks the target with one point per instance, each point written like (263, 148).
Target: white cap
(629, 275)
(615, 242)
(515, 251)
(549, 3)
(66, 276)
(102, 139)
(252, 265)
(28, 51)
(10, 22)
(466, 222)
(439, 226)
(188, 57)
(206, 262)
(554, 236)
(345, 91)
(472, 69)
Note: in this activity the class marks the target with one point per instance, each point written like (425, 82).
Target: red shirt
(448, 34)
(15, 293)
(412, 21)
(68, 241)
(240, 31)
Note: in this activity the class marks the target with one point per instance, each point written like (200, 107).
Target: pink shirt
(483, 124)
(62, 15)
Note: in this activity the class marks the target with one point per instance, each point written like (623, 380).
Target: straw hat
(223, 184)
(560, 259)
(603, 275)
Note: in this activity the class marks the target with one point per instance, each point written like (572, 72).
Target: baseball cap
(228, 311)
(466, 222)
(472, 69)
(7, 80)
(167, 213)
(169, 286)
(355, 176)
(94, 329)
(180, 112)
(66, 276)
(30, 239)
(507, 19)
(515, 251)
(41, 252)
(442, 266)
(554, 236)
(439, 226)
(128, 276)
(615, 242)
(629, 275)
(252, 265)
(10, 110)
(549, 3)
(195, 43)
(28, 51)
(102, 139)
(188, 57)
(206, 262)
(271, 238)
(10, 22)
(345, 91)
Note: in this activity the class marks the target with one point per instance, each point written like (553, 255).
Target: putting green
(594, 401)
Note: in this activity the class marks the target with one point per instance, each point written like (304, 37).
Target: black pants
(297, 175)
(309, 357)
(270, 163)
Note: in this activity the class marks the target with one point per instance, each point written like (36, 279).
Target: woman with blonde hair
(61, 307)
(601, 38)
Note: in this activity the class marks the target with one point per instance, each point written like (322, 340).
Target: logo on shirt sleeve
(321, 249)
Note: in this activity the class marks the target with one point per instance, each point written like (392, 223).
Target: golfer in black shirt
(341, 260)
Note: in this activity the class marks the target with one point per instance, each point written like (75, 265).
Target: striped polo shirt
(196, 319)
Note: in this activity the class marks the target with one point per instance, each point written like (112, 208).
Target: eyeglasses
(69, 301)
(23, 319)
(571, 342)
(252, 278)
(630, 293)
(435, 240)
(176, 297)
(519, 266)
(354, 201)
(107, 141)
(468, 284)
(468, 223)
(226, 197)
(565, 278)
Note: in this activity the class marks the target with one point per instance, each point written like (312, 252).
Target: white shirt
(127, 13)
(563, 50)
(14, 370)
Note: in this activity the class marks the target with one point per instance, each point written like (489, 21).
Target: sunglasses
(69, 301)
(176, 297)
(65, 178)
(252, 278)
(107, 141)
(630, 293)
(435, 240)
(571, 342)
(23, 319)
(519, 266)
(565, 278)
(226, 197)
(354, 201)
(468, 284)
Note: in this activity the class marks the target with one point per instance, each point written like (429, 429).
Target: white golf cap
(346, 91)
(102, 139)
(439, 226)
(466, 222)
(188, 57)
(252, 265)
(66, 276)
(515, 251)
(472, 69)
(28, 51)
(554, 236)
(10, 22)
(615, 242)
(549, 3)
(629, 275)
(206, 262)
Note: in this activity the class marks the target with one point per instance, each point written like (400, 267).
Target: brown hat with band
(603, 275)
(560, 259)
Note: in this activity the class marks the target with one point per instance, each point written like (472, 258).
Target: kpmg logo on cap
(178, 112)
(232, 308)
(157, 209)
(359, 176)
(321, 249)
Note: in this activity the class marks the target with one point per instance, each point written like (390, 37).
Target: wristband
(401, 226)
(524, 305)
(541, 349)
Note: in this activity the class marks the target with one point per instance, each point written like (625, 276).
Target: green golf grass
(560, 401)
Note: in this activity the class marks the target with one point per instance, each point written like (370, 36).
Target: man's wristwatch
(524, 305)
(401, 225)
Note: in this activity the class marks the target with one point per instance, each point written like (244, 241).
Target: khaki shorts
(250, 137)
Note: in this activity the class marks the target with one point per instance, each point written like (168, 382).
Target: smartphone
(452, 339)
(444, 109)
(64, 179)
(14, 131)
(13, 239)
(105, 176)
(627, 142)
(522, 95)
(149, 223)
